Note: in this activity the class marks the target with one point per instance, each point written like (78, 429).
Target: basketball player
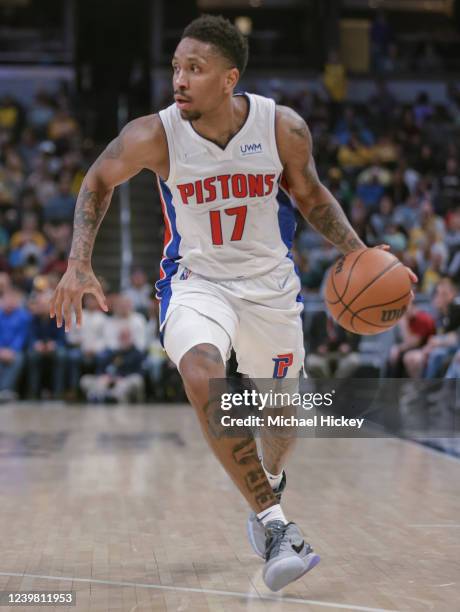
(223, 163)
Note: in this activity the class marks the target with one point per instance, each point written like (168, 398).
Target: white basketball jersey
(227, 216)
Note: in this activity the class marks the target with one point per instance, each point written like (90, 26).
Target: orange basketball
(368, 291)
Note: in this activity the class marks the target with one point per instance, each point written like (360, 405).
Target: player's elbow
(307, 200)
(96, 180)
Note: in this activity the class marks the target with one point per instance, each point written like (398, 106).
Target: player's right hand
(78, 280)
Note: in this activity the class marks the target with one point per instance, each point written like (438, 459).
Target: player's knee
(199, 365)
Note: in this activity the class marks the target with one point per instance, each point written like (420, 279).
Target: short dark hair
(221, 33)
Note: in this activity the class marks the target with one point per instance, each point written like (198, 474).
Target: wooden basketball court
(127, 507)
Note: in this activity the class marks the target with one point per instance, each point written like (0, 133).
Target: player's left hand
(413, 277)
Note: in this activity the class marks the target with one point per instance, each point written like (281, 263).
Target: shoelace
(275, 540)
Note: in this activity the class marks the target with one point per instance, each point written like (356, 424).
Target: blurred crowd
(43, 159)
(394, 167)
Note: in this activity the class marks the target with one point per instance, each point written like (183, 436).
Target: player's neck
(222, 124)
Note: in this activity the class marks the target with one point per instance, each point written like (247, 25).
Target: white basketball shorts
(260, 317)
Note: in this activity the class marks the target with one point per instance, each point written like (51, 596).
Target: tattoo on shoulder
(115, 148)
(300, 130)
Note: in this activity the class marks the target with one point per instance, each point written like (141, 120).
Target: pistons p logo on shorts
(282, 364)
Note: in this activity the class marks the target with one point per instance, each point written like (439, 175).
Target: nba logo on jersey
(185, 274)
(282, 364)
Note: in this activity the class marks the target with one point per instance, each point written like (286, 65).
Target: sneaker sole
(251, 525)
(285, 571)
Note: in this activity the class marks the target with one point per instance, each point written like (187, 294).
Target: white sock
(273, 479)
(274, 513)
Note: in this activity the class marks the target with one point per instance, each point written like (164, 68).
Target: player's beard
(190, 115)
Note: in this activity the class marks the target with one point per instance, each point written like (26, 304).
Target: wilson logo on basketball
(392, 315)
(339, 266)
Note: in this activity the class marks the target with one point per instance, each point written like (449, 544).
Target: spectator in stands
(13, 173)
(121, 380)
(60, 208)
(28, 241)
(452, 238)
(449, 188)
(87, 343)
(41, 180)
(423, 109)
(381, 220)
(381, 35)
(414, 329)
(429, 62)
(435, 269)
(125, 317)
(394, 62)
(46, 349)
(41, 113)
(4, 240)
(139, 291)
(359, 217)
(382, 105)
(332, 350)
(429, 229)
(5, 283)
(371, 183)
(426, 163)
(335, 82)
(10, 114)
(14, 331)
(28, 149)
(398, 189)
(431, 360)
(62, 129)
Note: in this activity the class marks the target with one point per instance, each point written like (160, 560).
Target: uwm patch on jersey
(227, 215)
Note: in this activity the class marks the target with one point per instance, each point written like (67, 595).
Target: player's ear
(231, 79)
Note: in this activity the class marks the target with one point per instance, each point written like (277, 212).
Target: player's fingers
(78, 309)
(53, 306)
(383, 247)
(58, 307)
(413, 277)
(67, 309)
(100, 297)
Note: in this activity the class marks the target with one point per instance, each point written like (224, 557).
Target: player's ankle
(274, 513)
(273, 479)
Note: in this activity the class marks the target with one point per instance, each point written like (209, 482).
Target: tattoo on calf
(245, 454)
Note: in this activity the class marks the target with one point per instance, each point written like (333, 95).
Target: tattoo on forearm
(330, 220)
(89, 211)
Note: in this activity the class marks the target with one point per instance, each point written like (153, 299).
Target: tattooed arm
(141, 144)
(315, 202)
